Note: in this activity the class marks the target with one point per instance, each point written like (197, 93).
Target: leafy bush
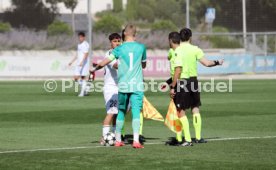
(107, 24)
(163, 25)
(59, 28)
(223, 41)
(5, 27)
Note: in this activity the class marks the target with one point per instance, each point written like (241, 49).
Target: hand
(70, 64)
(172, 93)
(221, 62)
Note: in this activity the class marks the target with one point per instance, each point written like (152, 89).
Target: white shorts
(82, 71)
(111, 99)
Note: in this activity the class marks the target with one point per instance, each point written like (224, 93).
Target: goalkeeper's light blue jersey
(130, 56)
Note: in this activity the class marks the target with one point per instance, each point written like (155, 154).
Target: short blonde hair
(130, 30)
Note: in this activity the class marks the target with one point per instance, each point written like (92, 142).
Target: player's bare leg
(106, 126)
(114, 123)
(77, 79)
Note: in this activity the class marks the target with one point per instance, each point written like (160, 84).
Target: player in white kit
(82, 68)
(110, 89)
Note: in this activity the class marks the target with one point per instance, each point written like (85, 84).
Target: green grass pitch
(32, 119)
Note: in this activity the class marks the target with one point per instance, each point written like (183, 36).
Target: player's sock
(123, 131)
(179, 136)
(136, 128)
(106, 129)
(119, 125)
(197, 125)
(80, 82)
(185, 127)
(141, 123)
(83, 87)
(87, 88)
(136, 137)
(113, 128)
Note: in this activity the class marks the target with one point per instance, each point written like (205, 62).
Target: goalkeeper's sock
(106, 129)
(120, 121)
(185, 127)
(119, 126)
(136, 137)
(197, 125)
(141, 123)
(179, 136)
(123, 131)
(136, 127)
(136, 122)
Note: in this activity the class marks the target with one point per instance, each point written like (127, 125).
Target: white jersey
(110, 75)
(83, 48)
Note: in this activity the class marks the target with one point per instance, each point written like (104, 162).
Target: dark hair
(185, 34)
(114, 36)
(175, 37)
(123, 34)
(81, 34)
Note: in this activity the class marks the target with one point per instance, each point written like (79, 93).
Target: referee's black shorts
(187, 94)
(195, 93)
(182, 98)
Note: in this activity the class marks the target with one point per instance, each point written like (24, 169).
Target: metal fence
(258, 43)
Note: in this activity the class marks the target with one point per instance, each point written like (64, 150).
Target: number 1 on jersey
(130, 61)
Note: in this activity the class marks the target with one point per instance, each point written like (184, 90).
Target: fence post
(265, 45)
(254, 39)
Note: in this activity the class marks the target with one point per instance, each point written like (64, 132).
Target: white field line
(158, 143)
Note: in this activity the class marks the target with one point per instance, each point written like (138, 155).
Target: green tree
(71, 4)
(59, 28)
(131, 10)
(165, 8)
(164, 25)
(107, 24)
(146, 13)
(259, 14)
(31, 14)
(117, 6)
(5, 27)
(223, 41)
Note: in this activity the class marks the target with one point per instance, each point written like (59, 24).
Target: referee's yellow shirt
(180, 60)
(191, 54)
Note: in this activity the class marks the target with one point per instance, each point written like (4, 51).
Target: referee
(185, 92)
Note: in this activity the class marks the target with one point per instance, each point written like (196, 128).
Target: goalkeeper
(132, 58)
